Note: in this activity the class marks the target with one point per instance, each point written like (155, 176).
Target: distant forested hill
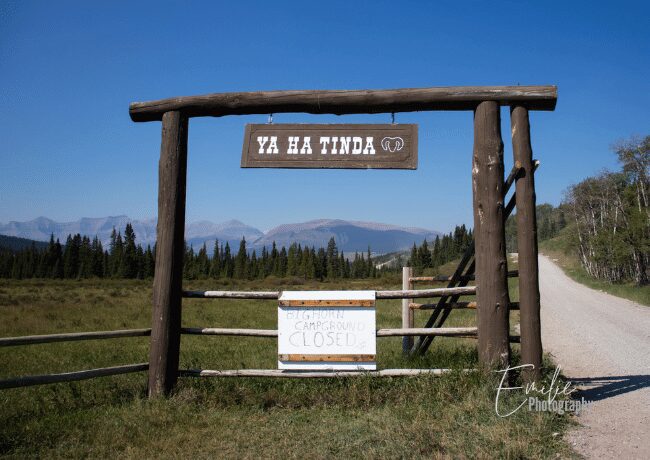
(13, 243)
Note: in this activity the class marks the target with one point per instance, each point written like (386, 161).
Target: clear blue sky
(68, 72)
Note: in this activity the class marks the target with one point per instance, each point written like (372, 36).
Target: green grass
(561, 252)
(449, 416)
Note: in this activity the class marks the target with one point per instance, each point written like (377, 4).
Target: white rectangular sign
(327, 330)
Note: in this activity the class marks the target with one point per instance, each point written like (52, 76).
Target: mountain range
(350, 236)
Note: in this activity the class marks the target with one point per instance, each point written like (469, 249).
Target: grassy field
(449, 416)
(565, 256)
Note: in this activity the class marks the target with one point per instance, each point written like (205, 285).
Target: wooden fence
(409, 307)
(24, 381)
(463, 332)
(488, 261)
(30, 380)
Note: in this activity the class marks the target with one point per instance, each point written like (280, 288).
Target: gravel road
(602, 343)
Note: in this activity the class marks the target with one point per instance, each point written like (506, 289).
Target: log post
(531, 339)
(489, 235)
(167, 285)
(407, 312)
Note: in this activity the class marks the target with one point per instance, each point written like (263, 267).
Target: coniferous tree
(282, 263)
(292, 260)
(274, 260)
(128, 261)
(71, 256)
(424, 255)
(228, 264)
(149, 263)
(414, 261)
(215, 263)
(253, 267)
(241, 266)
(97, 258)
(333, 265)
(203, 262)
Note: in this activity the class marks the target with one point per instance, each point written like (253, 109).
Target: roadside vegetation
(560, 250)
(425, 417)
(600, 233)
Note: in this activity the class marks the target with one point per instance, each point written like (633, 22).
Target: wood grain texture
(529, 300)
(341, 102)
(327, 358)
(442, 278)
(167, 284)
(489, 236)
(407, 312)
(399, 294)
(31, 380)
(260, 295)
(379, 333)
(428, 331)
(431, 306)
(229, 332)
(457, 305)
(419, 293)
(327, 303)
(72, 336)
(313, 374)
(385, 154)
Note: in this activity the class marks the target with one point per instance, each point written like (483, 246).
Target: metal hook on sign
(392, 118)
(270, 119)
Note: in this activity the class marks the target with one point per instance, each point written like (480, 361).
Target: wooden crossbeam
(340, 102)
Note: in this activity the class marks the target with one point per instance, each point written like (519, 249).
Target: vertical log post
(489, 235)
(407, 313)
(531, 339)
(167, 284)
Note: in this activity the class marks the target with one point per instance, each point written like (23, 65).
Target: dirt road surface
(602, 343)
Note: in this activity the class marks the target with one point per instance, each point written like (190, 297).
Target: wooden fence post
(489, 235)
(531, 339)
(167, 285)
(407, 313)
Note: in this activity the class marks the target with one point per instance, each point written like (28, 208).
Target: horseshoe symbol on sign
(392, 144)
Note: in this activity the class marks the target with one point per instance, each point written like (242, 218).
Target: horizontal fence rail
(466, 332)
(340, 102)
(72, 336)
(312, 374)
(443, 278)
(442, 331)
(455, 305)
(72, 376)
(270, 295)
(229, 332)
(419, 293)
(431, 306)
(274, 295)
(447, 331)
(437, 331)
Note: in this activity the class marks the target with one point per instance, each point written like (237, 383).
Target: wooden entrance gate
(488, 261)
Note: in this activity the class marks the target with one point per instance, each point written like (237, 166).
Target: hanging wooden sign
(327, 330)
(343, 146)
